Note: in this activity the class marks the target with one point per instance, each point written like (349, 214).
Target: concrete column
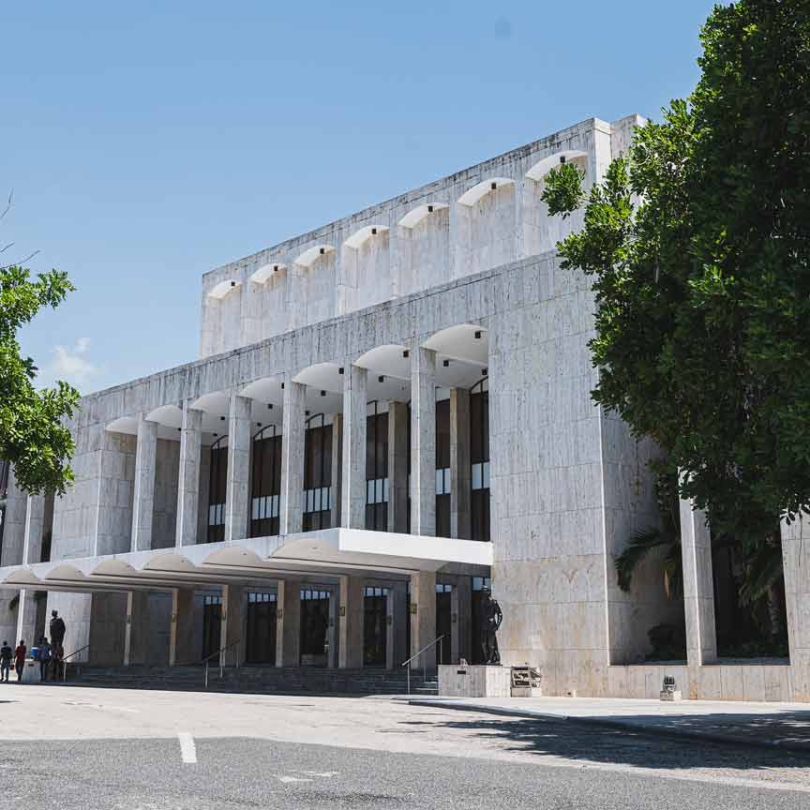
(143, 500)
(423, 441)
(397, 642)
(136, 632)
(288, 632)
(181, 638)
(461, 627)
(26, 619)
(460, 472)
(237, 499)
(337, 467)
(232, 625)
(398, 467)
(188, 482)
(353, 492)
(796, 564)
(423, 617)
(350, 654)
(698, 593)
(292, 458)
(34, 525)
(334, 628)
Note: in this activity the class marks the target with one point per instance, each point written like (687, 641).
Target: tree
(33, 436)
(698, 244)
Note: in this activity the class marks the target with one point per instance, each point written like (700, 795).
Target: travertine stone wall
(164, 517)
(116, 490)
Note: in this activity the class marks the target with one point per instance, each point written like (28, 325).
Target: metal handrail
(65, 658)
(437, 640)
(221, 653)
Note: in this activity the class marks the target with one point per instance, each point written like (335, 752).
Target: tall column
(181, 637)
(188, 482)
(396, 650)
(292, 458)
(423, 441)
(26, 618)
(698, 593)
(143, 499)
(350, 654)
(232, 625)
(237, 498)
(288, 631)
(136, 632)
(796, 564)
(460, 472)
(461, 627)
(34, 525)
(423, 617)
(397, 467)
(334, 628)
(353, 492)
(337, 468)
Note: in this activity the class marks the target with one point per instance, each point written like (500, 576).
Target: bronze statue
(491, 619)
(57, 629)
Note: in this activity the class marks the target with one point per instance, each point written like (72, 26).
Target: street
(76, 748)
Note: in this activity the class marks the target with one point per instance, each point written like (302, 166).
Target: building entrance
(314, 627)
(212, 624)
(444, 621)
(375, 626)
(260, 645)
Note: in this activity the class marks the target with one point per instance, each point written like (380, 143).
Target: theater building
(389, 414)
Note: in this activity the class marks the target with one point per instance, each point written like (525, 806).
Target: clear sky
(149, 142)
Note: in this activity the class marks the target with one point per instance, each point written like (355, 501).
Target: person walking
(5, 661)
(19, 659)
(44, 657)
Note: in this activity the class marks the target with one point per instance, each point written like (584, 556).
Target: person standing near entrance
(44, 658)
(19, 659)
(57, 629)
(5, 661)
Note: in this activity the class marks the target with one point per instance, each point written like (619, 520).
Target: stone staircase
(255, 679)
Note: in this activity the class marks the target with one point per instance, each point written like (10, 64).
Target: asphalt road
(75, 749)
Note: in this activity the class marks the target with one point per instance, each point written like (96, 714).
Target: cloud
(70, 364)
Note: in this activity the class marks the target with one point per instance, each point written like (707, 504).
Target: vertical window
(376, 468)
(317, 475)
(217, 487)
(443, 468)
(479, 460)
(266, 482)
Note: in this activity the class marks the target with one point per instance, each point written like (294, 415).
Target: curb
(614, 723)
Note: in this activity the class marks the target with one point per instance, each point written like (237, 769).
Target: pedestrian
(5, 661)
(19, 659)
(57, 665)
(45, 655)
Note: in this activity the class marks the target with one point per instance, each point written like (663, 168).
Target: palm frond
(640, 544)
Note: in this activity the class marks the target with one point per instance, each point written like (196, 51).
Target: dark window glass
(377, 470)
(217, 487)
(265, 483)
(479, 459)
(317, 475)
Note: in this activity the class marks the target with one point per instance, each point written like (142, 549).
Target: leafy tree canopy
(33, 436)
(698, 243)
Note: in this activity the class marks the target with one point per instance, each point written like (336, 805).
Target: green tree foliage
(33, 436)
(698, 243)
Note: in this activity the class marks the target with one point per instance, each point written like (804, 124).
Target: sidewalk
(772, 725)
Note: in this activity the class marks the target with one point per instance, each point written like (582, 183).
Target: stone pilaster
(350, 654)
(423, 617)
(188, 484)
(143, 499)
(34, 526)
(398, 467)
(181, 638)
(337, 467)
(26, 619)
(136, 631)
(796, 564)
(423, 441)
(460, 473)
(237, 499)
(353, 490)
(292, 458)
(288, 631)
(232, 625)
(334, 628)
(461, 628)
(396, 650)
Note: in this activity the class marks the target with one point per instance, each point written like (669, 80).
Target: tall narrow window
(266, 482)
(479, 459)
(443, 468)
(317, 474)
(376, 468)
(217, 487)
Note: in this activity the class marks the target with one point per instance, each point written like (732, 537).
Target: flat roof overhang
(327, 554)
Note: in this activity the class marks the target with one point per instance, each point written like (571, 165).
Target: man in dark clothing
(5, 661)
(19, 659)
(44, 658)
(57, 629)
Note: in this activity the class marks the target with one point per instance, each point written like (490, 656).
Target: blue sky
(147, 143)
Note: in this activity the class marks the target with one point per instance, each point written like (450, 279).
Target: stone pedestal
(474, 681)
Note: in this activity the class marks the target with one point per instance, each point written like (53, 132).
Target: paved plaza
(108, 748)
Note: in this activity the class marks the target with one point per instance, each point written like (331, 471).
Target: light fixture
(493, 186)
(269, 406)
(275, 268)
(323, 250)
(340, 370)
(562, 158)
(446, 363)
(373, 231)
(215, 435)
(430, 209)
(282, 386)
(406, 354)
(478, 335)
(259, 424)
(221, 418)
(485, 372)
(306, 413)
(381, 378)
(233, 284)
(323, 393)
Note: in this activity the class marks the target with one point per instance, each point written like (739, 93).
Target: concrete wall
(164, 517)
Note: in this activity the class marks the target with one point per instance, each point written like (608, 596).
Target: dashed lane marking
(188, 751)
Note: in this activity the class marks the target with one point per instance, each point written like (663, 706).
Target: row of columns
(349, 457)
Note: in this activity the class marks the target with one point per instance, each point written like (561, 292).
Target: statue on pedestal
(491, 619)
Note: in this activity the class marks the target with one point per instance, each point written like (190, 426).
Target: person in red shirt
(19, 659)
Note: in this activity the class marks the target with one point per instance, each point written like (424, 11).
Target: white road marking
(101, 706)
(322, 774)
(287, 779)
(188, 751)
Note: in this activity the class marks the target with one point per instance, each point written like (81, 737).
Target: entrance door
(444, 622)
(212, 621)
(478, 586)
(375, 626)
(261, 629)
(314, 627)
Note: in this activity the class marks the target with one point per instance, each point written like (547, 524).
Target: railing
(221, 653)
(63, 662)
(408, 663)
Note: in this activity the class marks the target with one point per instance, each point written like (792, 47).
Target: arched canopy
(389, 360)
(125, 424)
(311, 255)
(325, 376)
(360, 237)
(168, 415)
(466, 342)
(266, 272)
(480, 190)
(543, 167)
(219, 291)
(416, 215)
